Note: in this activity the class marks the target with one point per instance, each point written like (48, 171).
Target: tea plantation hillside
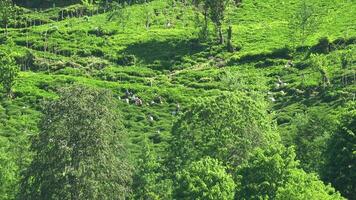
(293, 61)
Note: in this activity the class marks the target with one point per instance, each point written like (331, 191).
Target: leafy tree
(303, 186)
(79, 152)
(6, 13)
(320, 63)
(340, 155)
(303, 22)
(205, 179)
(120, 14)
(8, 73)
(273, 173)
(346, 58)
(8, 170)
(264, 172)
(225, 127)
(215, 10)
(312, 131)
(148, 180)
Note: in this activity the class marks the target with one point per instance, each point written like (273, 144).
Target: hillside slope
(153, 50)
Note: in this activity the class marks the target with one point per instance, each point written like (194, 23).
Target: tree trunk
(206, 21)
(6, 29)
(221, 37)
(230, 47)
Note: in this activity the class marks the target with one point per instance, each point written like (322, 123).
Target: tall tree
(217, 14)
(8, 73)
(303, 22)
(340, 155)
(320, 64)
(311, 132)
(215, 10)
(6, 12)
(79, 152)
(226, 127)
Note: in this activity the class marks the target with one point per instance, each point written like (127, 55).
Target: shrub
(205, 179)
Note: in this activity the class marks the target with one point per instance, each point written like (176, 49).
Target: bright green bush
(205, 179)
(303, 186)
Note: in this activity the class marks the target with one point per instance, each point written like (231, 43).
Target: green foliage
(303, 22)
(148, 180)
(119, 14)
(215, 10)
(303, 186)
(45, 3)
(264, 172)
(8, 170)
(79, 153)
(205, 179)
(311, 133)
(225, 127)
(6, 13)
(320, 64)
(273, 173)
(77, 44)
(8, 73)
(340, 155)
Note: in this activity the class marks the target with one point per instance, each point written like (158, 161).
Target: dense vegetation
(170, 99)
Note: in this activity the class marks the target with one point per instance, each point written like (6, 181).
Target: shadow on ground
(162, 55)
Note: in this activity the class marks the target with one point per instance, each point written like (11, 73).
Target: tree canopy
(225, 127)
(312, 131)
(79, 153)
(303, 186)
(273, 173)
(340, 155)
(205, 179)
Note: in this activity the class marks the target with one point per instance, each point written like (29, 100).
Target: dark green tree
(311, 132)
(217, 14)
(149, 182)
(205, 179)
(79, 152)
(226, 127)
(264, 172)
(273, 173)
(7, 11)
(340, 155)
(215, 10)
(8, 73)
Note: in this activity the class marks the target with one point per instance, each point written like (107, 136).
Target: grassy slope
(170, 58)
